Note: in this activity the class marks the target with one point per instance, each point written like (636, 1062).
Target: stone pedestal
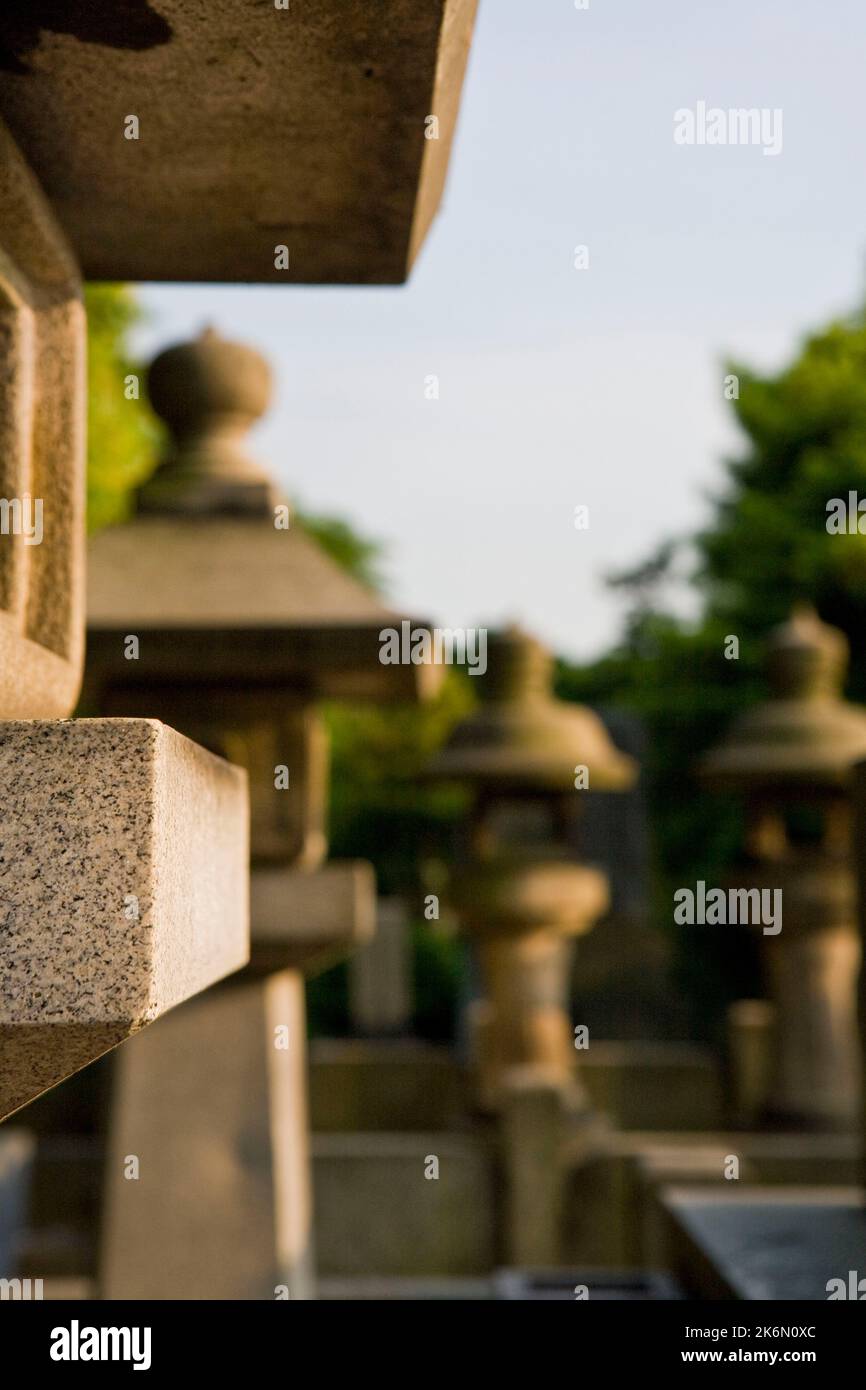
(220, 1206)
(536, 1119)
(816, 1071)
(810, 970)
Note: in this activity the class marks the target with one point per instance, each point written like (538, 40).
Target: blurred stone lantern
(213, 606)
(520, 895)
(791, 760)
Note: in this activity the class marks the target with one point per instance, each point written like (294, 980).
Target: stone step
(397, 1086)
(409, 1085)
(381, 1211)
(385, 1290)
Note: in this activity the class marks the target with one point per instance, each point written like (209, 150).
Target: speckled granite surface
(123, 888)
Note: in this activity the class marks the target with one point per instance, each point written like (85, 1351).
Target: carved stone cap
(806, 657)
(522, 736)
(209, 392)
(806, 736)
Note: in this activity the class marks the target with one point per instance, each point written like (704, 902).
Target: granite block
(123, 888)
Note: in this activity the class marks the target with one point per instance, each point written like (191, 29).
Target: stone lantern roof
(805, 735)
(522, 737)
(222, 591)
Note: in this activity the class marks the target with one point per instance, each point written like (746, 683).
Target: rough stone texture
(760, 1246)
(100, 819)
(215, 1113)
(258, 127)
(42, 421)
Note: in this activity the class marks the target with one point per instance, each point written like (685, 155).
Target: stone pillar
(791, 760)
(521, 900)
(218, 1205)
(380, 976)
(812, 977)
(524, 950)
(750, 1027)
(859, 858)
(519, 895)
(244, 625)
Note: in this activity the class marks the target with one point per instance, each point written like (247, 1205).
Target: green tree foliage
(353, 552)
(122, 434)
(769, 545)
(766, 546)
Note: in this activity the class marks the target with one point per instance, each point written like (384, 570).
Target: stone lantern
(213, 604)
(791, 760)
(520, 895)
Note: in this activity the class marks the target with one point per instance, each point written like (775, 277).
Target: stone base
(654, 1085)
(407, 1290)
(612, 1214)
(396, 1086)
(757, 1245)
(559, 1285)
(774, 1159)
(407, 1085)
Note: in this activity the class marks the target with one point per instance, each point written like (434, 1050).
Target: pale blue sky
(561, 387)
